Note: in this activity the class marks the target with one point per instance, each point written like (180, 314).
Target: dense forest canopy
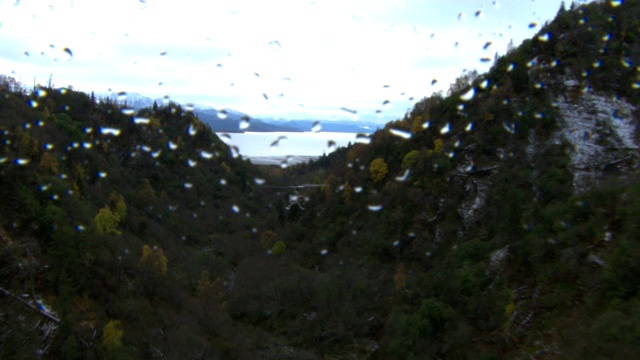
(498, 221)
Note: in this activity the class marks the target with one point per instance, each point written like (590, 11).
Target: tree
(154, 259)
(400, 278)
(119, 204)
(107, 221)
(278, 247)
(463, 81)
(268, 238)
(347, 192)
(378, 169)
(112, 335)
(410, 159)
(48, 164)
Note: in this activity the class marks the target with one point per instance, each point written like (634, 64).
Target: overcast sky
(290, 59)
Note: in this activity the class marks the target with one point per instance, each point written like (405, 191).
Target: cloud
(333, 53)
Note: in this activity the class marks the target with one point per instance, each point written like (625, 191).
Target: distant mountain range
(233, 121)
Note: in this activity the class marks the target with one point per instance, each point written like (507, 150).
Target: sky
(290, 59)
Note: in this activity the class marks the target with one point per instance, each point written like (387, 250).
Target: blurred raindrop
(244, 123)
(363, 138)
(110, 131)
(400, 133)
(205, 155)
(404, 176)
(374, 208)
(316, 127)
(544, 37)
(468, 95)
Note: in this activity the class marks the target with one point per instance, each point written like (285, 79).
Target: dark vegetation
(157, 242)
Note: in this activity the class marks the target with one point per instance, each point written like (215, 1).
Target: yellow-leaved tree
(154, 259)
(107, 221)
(112, 335)
(378, 169)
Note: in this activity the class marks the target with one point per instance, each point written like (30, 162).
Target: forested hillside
(498, 221)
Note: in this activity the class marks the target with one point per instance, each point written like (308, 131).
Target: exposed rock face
(600, 130)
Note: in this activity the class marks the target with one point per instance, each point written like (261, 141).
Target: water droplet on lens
(68, 52)
(374, 207)
(363, 138)
(188, 185)
(510, 67)
(544, 37)
(532, 24)
(349, 110)
(122, 96)
(205, 154)
(445, 129)
(128, 111)
(324, 252)
(22, 161)
(316, 127)
(192, 130)
(484, 84)
(468, 95)
(102, 174)
(222, 114)
(469, 127)
(222, 182)
(235, 208)
(615, 3)
(41, 92)
(33, 103)
(331, 145)
(259, 181)
(244, 123)
(276, 142)
(109, 131)
(163, 53)
(400, 133)
(172, 146)
(404, 176)
(191, 163)
(511, 128)
(141, 121)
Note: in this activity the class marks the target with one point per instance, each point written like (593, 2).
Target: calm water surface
(273, 147)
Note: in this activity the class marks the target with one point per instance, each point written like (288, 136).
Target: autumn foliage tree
(154, 259)
(378, 169)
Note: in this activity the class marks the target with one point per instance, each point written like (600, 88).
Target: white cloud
(335, 53)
